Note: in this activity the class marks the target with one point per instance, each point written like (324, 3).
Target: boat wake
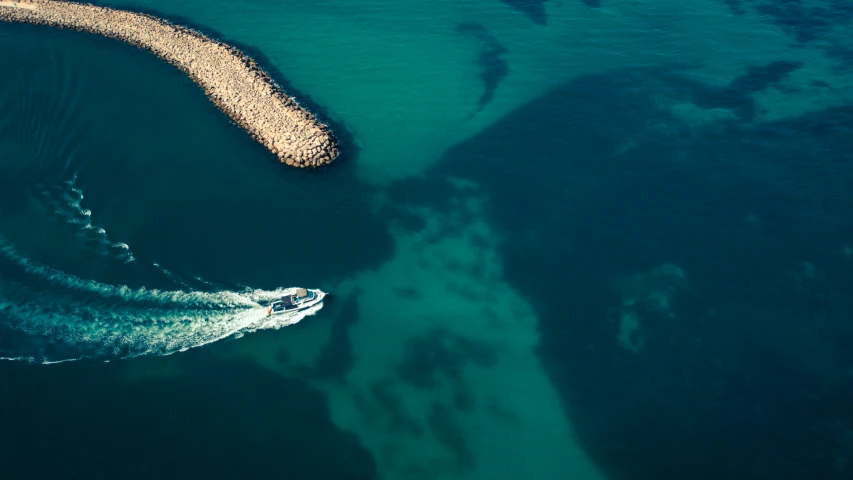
(48, 316)
(65, 200)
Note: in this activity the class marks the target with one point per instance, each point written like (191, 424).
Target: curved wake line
(112, 322)
(33, 360)
(169, 298)
(66, 201)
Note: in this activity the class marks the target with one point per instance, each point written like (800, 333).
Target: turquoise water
(566, 239)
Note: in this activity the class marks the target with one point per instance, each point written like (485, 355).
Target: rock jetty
(232, 80)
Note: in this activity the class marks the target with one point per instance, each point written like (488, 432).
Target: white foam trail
(210, 284)
(48, 362)
(193, 299)
(43, 362)
(176, 279)
(115, 332)
(110, 321)
(17, 359)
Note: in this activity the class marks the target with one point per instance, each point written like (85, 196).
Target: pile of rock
(232, 80)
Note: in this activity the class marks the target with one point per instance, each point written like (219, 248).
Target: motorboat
(300, 299)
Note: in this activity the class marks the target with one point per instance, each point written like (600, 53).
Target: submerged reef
(232, 80)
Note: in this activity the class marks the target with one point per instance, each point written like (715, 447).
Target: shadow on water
(216, 420)
(594, 183)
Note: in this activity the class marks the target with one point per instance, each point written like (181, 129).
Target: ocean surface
(567, 239)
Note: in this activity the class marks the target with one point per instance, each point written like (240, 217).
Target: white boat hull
(284, 306)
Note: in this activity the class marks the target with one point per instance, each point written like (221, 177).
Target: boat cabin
(292, 301)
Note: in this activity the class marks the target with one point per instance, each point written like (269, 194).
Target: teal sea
(566, 239)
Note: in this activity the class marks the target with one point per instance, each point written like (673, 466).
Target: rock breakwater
(232, 80)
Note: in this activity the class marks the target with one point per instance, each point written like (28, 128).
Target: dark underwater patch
(403, 218)
(532, 9)
(441, 354)
(337, 358)
(738, 95)
(392, 408)
(805, 20)
(442, 423)
(217, 420)
(751, 351)
(843, 55)
(440, 357)
(736, 6)
(493, 65)
(408, 293)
